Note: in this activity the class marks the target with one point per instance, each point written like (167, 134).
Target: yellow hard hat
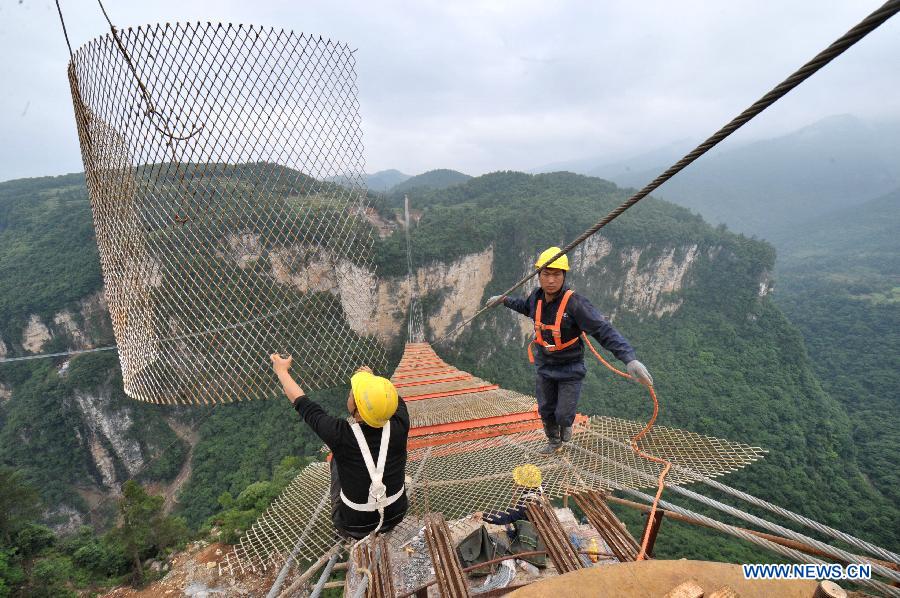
(560, 263)
(375, 398)
(527, 475)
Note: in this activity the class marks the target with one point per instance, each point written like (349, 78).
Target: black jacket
(354, 476)
(580, 317)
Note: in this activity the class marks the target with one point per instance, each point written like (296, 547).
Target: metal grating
(444, 410)
(207, 150)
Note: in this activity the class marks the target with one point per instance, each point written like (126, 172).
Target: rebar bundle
(209, 151)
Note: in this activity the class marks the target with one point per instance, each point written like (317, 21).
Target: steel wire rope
(838, 47)
(815, 525)
(797, 555)
(836, 553)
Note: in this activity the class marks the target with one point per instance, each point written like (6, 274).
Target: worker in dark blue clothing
(560, 316)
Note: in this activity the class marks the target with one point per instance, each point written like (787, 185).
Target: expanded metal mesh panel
(208, 152)
(450, 409)
(459, 478)
(470, 468)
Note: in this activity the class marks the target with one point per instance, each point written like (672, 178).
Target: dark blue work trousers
(558, 389)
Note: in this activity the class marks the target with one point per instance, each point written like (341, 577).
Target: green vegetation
(239, 513)
(47, 255)
(727, 363)
(838, 282)
(34, 562)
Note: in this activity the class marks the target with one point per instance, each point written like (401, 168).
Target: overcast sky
(491, 85)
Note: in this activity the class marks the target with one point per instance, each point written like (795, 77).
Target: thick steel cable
(866, 26)
(811, 523)
(728, 529)
(60, 354)
(323, 578)
(836, 553)
(797, 555)
(797, 518)
(791, 553)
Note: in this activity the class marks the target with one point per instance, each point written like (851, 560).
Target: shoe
(554, 442)
(566, 433)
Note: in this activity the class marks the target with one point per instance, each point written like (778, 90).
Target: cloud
(479, 86)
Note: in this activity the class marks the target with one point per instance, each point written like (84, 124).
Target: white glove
(496, 298)
(639, 372)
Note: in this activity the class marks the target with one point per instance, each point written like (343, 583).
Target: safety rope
(866, 26)
(667, 465)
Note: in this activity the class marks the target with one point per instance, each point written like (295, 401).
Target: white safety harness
(377, 490)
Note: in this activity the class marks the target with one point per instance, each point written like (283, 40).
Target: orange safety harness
(555, 329)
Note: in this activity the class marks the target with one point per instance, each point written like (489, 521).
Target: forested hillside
(727, 362)
(693, 299)
(839, 282)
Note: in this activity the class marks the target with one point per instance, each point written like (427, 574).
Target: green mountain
(727, 361)
(383, 180)
(378, 182)
(693, 299)
(770, 186)
(433, 179)
(839, 282)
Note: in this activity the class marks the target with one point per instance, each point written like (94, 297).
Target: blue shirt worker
(560, 316)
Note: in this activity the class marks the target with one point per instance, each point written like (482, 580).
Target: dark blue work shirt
(580, 316)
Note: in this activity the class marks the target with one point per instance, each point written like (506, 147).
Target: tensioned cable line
(60, 354)
(866, 26)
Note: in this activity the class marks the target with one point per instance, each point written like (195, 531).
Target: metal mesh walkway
(462, 450)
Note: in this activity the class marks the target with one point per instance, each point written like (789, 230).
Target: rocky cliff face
(109, 427)
(85, 326)
(458, 287)
(648, 287)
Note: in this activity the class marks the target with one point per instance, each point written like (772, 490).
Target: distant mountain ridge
(433, 179)
(774, 184)
(378, 182)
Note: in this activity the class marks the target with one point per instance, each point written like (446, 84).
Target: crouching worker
(366, 494)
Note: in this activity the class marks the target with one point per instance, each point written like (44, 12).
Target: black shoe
(554, 442)
(565, 433)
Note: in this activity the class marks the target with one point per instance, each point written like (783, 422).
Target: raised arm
(326, 427)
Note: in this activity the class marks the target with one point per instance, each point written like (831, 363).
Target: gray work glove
(496, 298)
(639, 372)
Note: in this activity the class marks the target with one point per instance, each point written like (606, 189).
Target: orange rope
(634, 446)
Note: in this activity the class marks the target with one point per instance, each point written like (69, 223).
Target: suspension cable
(866, 26)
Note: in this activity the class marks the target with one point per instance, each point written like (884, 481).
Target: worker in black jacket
(366, 494)
(560, 316)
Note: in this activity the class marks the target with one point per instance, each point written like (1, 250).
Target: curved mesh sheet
(209, 152)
